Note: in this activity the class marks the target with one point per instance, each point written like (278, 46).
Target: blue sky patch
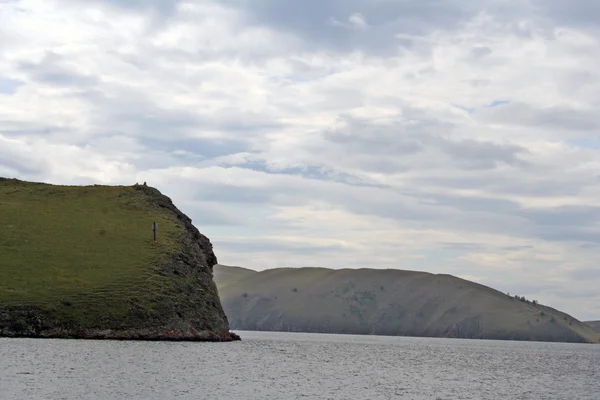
(586, 142)
(497, 103)
(9, 86)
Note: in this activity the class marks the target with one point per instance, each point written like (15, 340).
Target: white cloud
(358, 21)
(459, 138)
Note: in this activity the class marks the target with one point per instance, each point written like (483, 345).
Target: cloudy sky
(450, 136)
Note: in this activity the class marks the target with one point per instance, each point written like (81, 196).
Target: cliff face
(386, 302)
(104, 276)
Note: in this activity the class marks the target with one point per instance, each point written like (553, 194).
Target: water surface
(299, 366)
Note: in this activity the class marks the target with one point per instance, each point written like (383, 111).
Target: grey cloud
(381, 165)
(376, 143)
(590, 246)
(563, 216)
(480, 51)
(162, 8)
(211, 214)
(542, 187)
(320, 173)
(269, 246)
(146, 118)
(516, 113)
(15, 132)
(482, 155)
(586, 274)
(21, 160)
(569, 234)
(580, 13)
(529, 290)
(566, 223)
(364, 138)
(577, 293)
(516, 248)
(229, 193)
(370, 147)
(472, 214)
(461, 246)
(206, 148)
(477, 204)
(311, 20)
(158, 123)
(52, 70)
(507, 184)
(464, 214)
(21, 166)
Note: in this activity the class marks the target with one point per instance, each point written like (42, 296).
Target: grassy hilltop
(386, 302)
(81, 261)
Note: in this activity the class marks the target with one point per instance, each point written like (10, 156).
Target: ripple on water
(299, 366)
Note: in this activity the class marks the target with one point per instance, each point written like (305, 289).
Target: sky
(454, 136)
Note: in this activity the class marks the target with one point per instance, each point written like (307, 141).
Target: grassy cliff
(386, 302)
(80, 261)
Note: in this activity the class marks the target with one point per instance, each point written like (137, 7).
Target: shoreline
(129, 335)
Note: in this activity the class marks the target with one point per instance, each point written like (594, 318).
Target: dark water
(298, 366)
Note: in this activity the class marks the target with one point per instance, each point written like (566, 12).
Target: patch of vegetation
(366, 296)
(295, 290)
(524, 300)
(356, 311)
(82, 250)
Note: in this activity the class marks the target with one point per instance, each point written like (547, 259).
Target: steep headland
(81, 262)
(386, 302)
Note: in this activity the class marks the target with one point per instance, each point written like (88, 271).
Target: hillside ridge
(594, 324)
(387, 302)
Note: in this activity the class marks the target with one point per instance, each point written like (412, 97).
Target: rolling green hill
(80, 261)
(386, 302)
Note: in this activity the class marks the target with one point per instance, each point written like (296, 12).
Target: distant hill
(386, 302)
(594, 324)
(80, 261)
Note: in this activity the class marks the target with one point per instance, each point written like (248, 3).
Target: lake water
(298, 366)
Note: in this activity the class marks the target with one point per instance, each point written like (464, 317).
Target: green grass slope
(229, 274)
(79, 258)
(594, 324)
(387, 302)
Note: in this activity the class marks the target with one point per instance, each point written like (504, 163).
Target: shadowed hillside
(81, 262)
(594, 324)
(386, 302)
